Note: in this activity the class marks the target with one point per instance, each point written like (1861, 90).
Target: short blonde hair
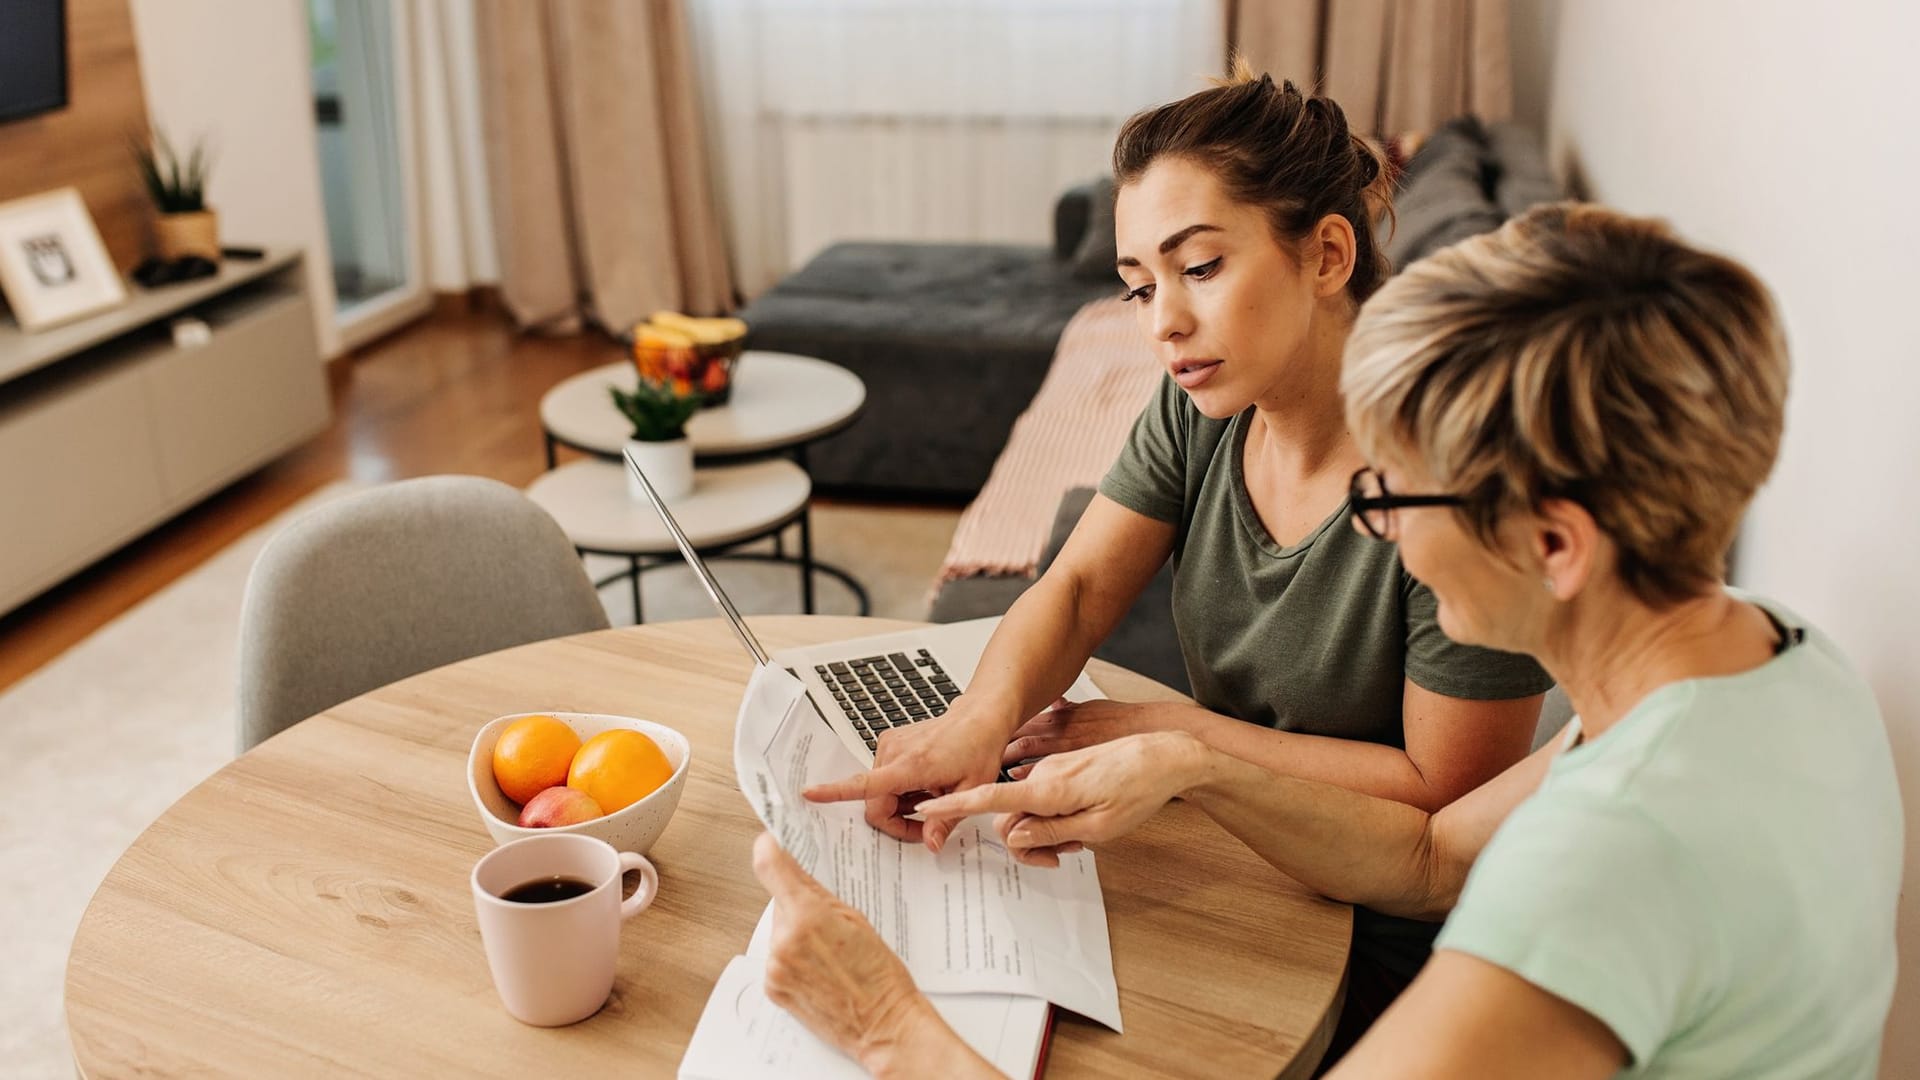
(1583, 354)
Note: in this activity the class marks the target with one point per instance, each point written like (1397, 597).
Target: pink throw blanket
(1103, 374)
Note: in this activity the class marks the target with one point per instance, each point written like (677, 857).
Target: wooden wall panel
(85, 145)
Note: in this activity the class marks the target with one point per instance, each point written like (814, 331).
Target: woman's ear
(1333, 238)
(1568, 545)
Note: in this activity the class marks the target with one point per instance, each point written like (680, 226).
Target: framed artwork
(53, 266)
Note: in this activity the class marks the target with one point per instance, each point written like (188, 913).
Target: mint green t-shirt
(1715, 877)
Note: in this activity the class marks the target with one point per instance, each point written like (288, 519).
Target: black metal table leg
(633, 575)
(806, 559)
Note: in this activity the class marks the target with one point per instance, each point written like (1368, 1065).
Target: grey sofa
(952, 341)
(1467, 178)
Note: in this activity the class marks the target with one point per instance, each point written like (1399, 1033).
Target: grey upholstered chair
(394, 581)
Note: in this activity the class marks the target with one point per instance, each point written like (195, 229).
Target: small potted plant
(185, 225)
(659, 412)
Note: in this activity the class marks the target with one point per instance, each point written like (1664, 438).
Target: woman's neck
(1612, 650)
(1300, 420)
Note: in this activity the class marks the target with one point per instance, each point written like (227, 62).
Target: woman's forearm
(1369, 768)
(1038, 650)
(1352, 847)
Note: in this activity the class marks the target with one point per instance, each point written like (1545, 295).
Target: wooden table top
(306, 909)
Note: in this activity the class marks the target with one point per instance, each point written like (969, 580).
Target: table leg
(633, 575)
(806, 560)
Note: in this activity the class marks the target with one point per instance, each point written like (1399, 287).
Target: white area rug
(107, 736)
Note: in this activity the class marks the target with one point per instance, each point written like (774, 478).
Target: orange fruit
(619, 768)
(533, 754)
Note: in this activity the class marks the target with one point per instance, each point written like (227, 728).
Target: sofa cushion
(977, 597)
(1093, 259)
(1460, 136)
(1103, 374)
(1444, 197)
(988, 294)
(951, 340)
(1071, 212)
(1522, 178)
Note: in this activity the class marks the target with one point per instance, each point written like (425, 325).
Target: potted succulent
(185, 225)
(659, 412)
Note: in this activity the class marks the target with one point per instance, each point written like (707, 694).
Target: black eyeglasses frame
(1362, 504)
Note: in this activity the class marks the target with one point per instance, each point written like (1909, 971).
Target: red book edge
(1046, 1043)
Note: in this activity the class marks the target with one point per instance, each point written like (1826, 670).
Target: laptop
(864, 686)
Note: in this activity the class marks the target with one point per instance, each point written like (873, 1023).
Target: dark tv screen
(33, 57)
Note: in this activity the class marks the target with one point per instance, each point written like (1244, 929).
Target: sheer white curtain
(926, 119)
(451, 150)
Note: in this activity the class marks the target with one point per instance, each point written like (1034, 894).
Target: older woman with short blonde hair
(1566, 420)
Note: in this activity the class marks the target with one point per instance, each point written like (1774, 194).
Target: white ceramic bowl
(631, 828)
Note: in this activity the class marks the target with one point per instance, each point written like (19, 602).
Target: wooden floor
(456, 393)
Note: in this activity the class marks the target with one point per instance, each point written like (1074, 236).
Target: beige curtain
(1393, 65)
(603, 206)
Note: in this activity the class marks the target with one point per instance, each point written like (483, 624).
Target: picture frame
(53, 266)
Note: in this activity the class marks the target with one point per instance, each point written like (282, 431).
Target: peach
(560, 805)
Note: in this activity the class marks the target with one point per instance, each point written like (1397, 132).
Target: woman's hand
(1075, 725)
(1081, 796)
(1072, 725)
(933, 757)
(833, 973)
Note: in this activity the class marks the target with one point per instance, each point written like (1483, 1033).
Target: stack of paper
(977, 930)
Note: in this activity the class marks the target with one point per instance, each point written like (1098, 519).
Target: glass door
(358, 57)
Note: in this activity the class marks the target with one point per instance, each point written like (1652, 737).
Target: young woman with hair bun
(1244, 226)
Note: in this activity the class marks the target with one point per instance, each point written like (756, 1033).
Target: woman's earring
(1548, 582)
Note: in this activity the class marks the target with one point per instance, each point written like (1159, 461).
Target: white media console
(108, 428)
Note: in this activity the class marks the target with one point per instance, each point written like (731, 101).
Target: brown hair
(1582, 354)
(1272, 147)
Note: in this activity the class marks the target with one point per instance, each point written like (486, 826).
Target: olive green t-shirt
(1317, 638)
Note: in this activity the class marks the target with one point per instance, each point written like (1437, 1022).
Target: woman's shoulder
(1753, 739)
(1810, 673)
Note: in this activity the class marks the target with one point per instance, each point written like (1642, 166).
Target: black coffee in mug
(547, 890)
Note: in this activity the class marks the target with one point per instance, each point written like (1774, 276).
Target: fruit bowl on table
(690, 355)
(633, 828)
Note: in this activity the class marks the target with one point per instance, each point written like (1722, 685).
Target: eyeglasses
(1373, 505)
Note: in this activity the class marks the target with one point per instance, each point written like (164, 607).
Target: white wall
(238, 72)
(1782, 133)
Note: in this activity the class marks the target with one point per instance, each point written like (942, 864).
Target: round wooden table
(306, 909)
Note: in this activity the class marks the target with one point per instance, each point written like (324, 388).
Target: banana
(664, 337)
(703, 331)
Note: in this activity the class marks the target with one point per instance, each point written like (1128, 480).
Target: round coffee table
(730, 505)
(780, 402)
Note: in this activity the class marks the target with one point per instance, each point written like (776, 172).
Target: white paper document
(969, 920)
(743, 1035)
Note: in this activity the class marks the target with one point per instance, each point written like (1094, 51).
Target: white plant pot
(668, 465)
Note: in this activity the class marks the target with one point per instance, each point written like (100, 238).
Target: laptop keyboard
(890, 691)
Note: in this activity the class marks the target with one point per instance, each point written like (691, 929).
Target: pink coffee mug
(553, 963)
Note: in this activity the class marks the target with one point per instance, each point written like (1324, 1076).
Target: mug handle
(649, 884)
